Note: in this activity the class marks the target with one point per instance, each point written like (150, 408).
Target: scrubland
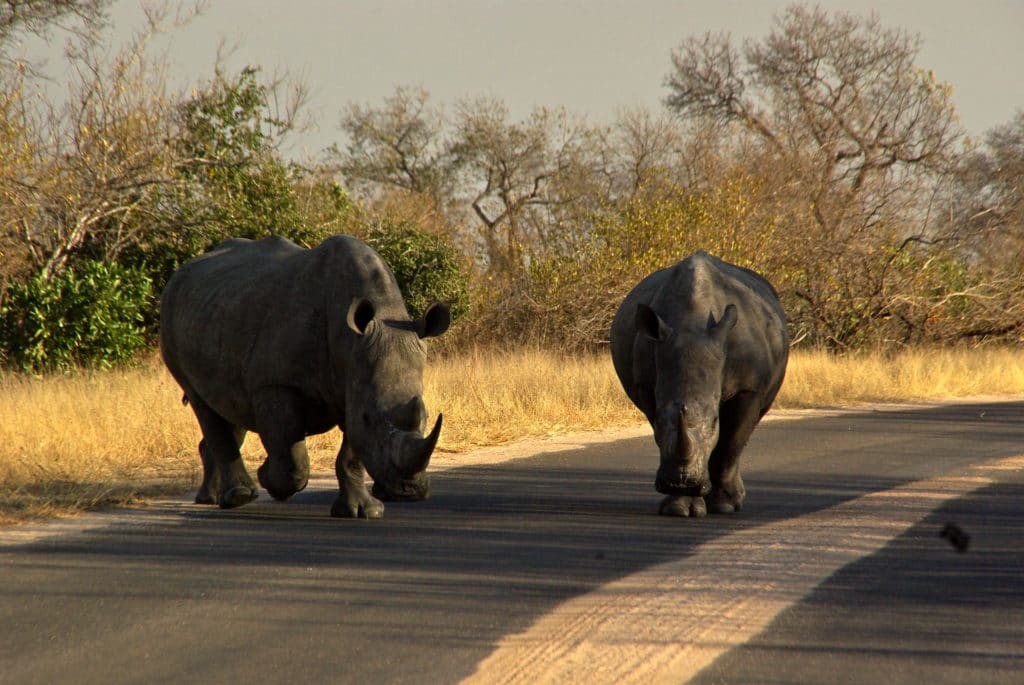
(94, 439)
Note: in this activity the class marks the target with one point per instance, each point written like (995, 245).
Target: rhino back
(250, 314)
(757, 347)
(683, 296)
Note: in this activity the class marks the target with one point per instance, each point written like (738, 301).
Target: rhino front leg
(737, 420)
(354, 500)
(285, 471)
(225, 480)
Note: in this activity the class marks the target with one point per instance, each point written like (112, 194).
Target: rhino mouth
(681, 486)
(410, 455)
(679, 474)
(405, 490)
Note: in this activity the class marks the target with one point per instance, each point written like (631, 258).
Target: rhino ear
(435, 321)
(650, 324)
(360, 315)
(722, 327)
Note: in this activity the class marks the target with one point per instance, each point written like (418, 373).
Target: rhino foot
(683, 506)
(208, 489)
(727, 499)
(204, 497)
(237, 496)
(367, 508)
(280, 487)
(720, 502)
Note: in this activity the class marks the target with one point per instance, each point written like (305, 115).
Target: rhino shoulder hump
(360, 259)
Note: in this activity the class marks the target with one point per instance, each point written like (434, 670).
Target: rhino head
(689, 368)
(385, 417)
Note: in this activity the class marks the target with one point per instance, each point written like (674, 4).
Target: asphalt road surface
(556, 568)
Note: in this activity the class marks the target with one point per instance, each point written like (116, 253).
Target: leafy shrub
(428, 268)
(231, 183)
(568, 301)
(90, 317)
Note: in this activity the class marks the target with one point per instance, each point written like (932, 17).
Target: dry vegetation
(96, 439)
(818, 379)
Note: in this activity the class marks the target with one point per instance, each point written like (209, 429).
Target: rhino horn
(684, 439)
(414, 450)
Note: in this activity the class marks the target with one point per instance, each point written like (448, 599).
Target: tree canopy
(823, 155)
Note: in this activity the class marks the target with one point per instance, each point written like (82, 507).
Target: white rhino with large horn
(701, 348)
(270, 337)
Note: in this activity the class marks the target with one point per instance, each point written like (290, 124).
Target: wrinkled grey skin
(701, 348)
(269, 337)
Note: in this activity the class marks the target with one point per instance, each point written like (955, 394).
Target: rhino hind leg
(737, 420)
(354, 500)
(209, 489)
(225, 480)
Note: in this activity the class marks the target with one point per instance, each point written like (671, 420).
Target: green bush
(428, 268)
(90, 317)
(231, 183)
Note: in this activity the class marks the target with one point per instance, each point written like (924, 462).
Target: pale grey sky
(590, 56)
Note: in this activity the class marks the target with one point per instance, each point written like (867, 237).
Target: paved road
(834, 572)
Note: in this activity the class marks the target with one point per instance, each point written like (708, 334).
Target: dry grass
(817, 379)
(91, 439)
(97, 439)
(492, 397)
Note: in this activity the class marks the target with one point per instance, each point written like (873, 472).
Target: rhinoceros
(270, 337)
(701, 349)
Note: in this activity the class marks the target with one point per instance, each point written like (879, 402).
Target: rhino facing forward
(701, 348)
(269, 337)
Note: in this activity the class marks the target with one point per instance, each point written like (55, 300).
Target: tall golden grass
(94, 439)
(819, 379)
